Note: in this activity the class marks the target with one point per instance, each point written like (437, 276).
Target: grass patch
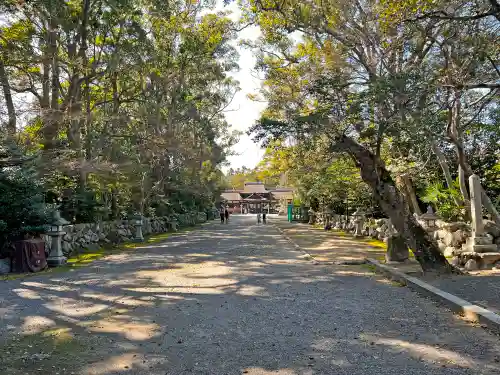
(369, 266)
(45, 352)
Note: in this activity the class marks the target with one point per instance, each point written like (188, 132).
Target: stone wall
(450, 236)
(93, 235)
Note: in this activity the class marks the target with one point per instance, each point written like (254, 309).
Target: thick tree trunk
(393, 203)
(7, 94)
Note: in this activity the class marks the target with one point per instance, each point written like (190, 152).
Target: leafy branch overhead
(120, 103)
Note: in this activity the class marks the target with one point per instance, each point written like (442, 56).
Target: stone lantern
(328, 216)
(429, 219)
(56, 232)
(137, 223)
(359, 219)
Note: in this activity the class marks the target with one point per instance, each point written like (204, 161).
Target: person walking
(263, 217)
(258, 218)
(222, 215)
(226, 214)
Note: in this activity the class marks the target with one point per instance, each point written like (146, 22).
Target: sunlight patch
(135, 331)
(74, 308)
(428, 353)
(35, 324)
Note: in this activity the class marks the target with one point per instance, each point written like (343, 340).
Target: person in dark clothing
(264, 217)
(221, 212)
(226, 214)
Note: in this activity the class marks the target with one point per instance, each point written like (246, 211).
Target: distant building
(255, 197)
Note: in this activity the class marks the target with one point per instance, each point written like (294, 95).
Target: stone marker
(478, 242)
(397, 251)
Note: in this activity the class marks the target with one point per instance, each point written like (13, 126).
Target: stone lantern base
(55, 261)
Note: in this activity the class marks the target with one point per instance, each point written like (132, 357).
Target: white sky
(242, 113)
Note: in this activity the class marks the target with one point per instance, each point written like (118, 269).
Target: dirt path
(230, 299)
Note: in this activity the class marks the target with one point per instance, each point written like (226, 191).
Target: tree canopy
(120, 102)
(388, 84)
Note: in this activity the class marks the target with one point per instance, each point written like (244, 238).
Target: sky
(243, 112)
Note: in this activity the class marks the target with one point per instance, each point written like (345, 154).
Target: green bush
(443, 199)
(22, 205)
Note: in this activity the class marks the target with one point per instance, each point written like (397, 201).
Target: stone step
(485, 258)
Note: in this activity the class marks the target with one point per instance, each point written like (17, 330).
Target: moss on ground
(41, 353)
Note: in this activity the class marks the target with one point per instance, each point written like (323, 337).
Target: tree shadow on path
(230, 299)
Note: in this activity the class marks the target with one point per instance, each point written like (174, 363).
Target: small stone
(492, 228)
(471, 265)
(455, 261)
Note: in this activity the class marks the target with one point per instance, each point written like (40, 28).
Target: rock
(492, 228)
(67, 237)
(92, 246)
(471, 265)
(397, 250)
(114, 237)
(455, 261)
(4, 266)
(67, 248)
(440, 234)
(460, 236)
(449, 251)
(455, 239)
(453, 227)
(442, 247)
(489, 258)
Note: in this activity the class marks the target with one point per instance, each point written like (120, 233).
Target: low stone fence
(452, 238)
(93, 235)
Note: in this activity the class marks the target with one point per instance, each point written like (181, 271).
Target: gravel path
(478, 289)
(230, 299)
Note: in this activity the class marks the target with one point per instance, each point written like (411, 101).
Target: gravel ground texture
(481, 290)
(231, 298)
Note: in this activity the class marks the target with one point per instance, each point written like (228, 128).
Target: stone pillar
(358, 222)
(397, 251)
(478, 242)
(476, 205)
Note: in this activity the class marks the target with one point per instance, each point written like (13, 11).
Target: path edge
(470, 311)
(307, 256)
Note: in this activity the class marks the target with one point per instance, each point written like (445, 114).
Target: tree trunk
(465, 193)
(444, 166)
(393, 203)
(453, 135)
(7, 94)
(51, 123)
(411, 194)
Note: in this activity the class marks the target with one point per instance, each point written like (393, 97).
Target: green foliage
(132, 119)
(443, 199)
(22, 205)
